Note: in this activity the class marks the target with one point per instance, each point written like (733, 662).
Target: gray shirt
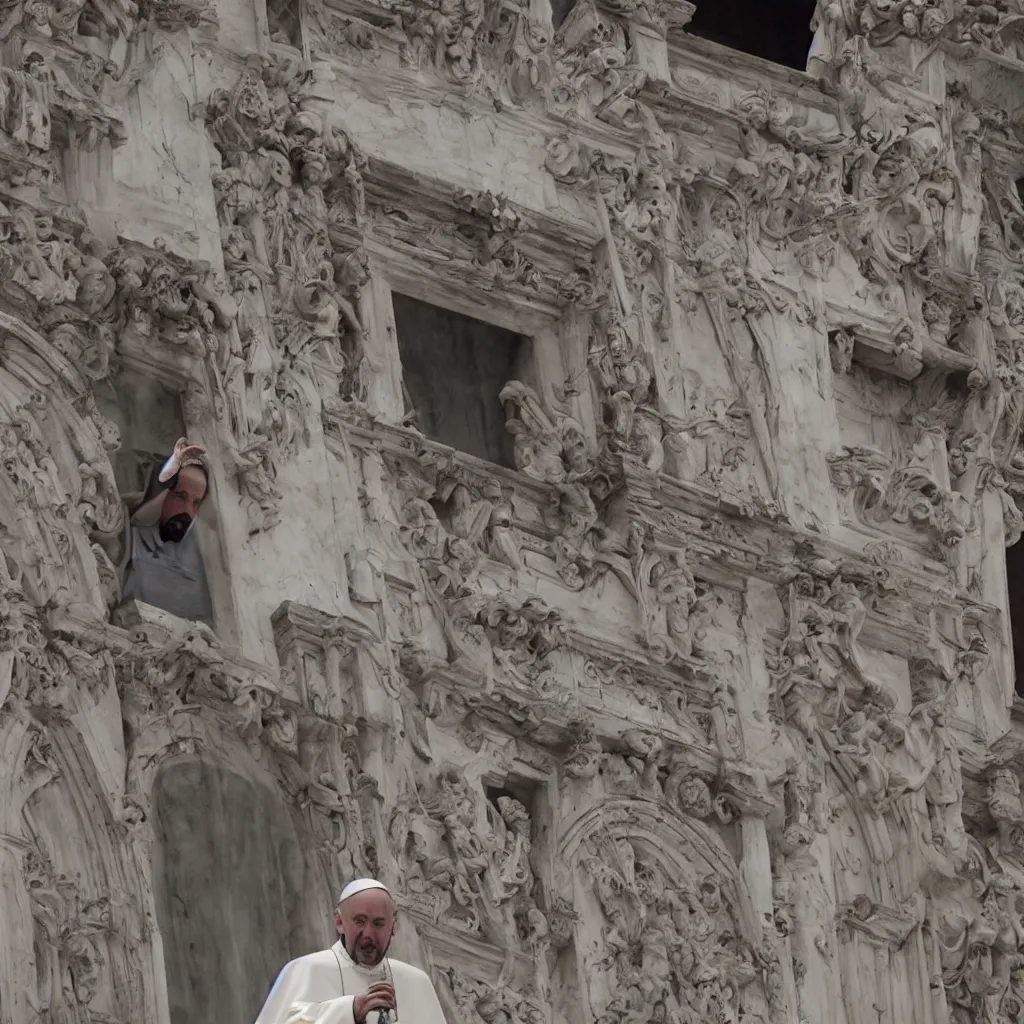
(168, 576)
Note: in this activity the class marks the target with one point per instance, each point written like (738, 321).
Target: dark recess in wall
(1015, 581)
(453, 367)
(778, 30)
(560, 10)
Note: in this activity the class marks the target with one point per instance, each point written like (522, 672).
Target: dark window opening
(560, 10)
(283, 22)
(779, 31)
(148, 419)
(1015, 579)
(517, 789)
(453, 369)
(152, 555)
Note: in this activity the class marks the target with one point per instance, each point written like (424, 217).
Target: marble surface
(701, 710)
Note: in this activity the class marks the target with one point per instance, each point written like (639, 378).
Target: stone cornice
(728, 543)
(688, 50)
(682, 105)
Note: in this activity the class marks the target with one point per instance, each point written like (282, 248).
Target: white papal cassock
(320, 988)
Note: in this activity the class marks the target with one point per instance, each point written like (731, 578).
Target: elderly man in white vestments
(355, 977)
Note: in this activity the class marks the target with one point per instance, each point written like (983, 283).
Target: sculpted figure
(1004, 804)
(537, 444)
(675, 591)
(828, 25)
(511, 839)
(355, 977)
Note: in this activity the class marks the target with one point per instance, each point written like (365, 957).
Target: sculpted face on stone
(366, 923)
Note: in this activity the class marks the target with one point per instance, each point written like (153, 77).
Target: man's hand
(183, 450)
(378, 997)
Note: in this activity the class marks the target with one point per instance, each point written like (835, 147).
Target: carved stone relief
(702, 706)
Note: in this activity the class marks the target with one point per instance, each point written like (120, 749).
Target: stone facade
(614, 442)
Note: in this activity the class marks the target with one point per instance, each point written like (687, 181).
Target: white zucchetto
(360, 885)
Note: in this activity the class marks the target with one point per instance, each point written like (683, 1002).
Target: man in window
(158, 553)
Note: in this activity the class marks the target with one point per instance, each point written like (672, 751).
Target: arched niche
(231, 889)
(682, 848)
(662, 920)
(84, 894)
(56, 479)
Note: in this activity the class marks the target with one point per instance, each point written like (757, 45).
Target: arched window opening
(231, 890)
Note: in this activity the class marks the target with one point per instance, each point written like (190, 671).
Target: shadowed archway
(231, 890)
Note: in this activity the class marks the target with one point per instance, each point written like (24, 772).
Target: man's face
(366, 921)
(181, 504)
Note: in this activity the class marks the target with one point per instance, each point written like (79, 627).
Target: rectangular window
(453, 369)
(149, 419)
(779, 31)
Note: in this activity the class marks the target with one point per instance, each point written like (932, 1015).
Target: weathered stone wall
(705, 712)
